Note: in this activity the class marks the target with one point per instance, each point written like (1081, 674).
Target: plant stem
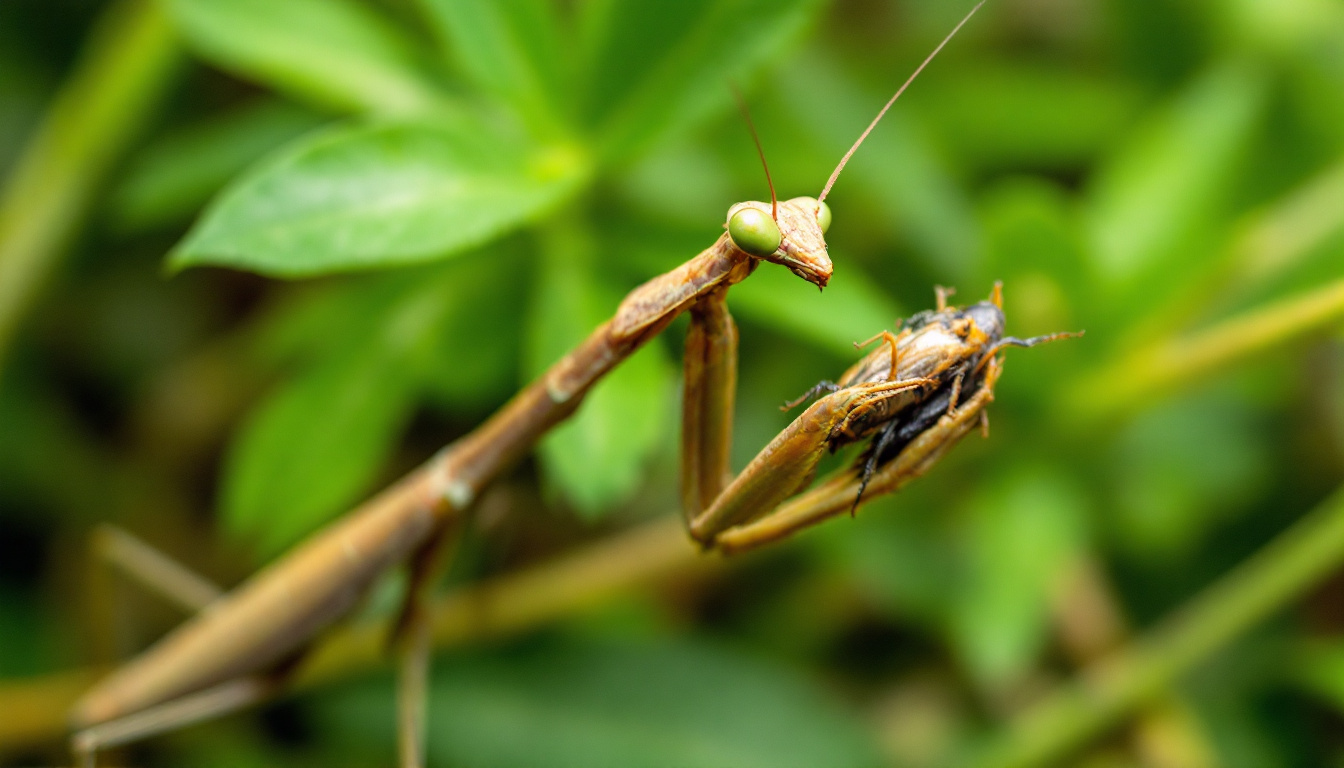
(1107, 692)
(123, 72)
(1155, 370)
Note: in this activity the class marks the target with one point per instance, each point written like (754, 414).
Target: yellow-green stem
(1155, 370)
(123, 72)
(1109, 691)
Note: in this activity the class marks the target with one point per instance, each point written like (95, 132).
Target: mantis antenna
(751, 126)
(836, 173)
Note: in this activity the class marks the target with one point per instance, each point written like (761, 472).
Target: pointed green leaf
(317, 443)
(336, 53)
(388, 194)
(311, 448)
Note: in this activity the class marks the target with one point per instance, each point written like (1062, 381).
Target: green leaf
(1173, 175)
(311, 448)
(335, 53)
(177, 175)
(318, 442)
(654, 68)
(1183, 468)
(665, 703)
(849, 310)
(1022, 533)
(381, 195)
(1006, 113)
(599, 456)
(512, 49)
(1319, 667)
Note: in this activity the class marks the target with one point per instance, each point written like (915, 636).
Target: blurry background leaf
(319, 441)
(1013, 113)
(312, 448)
(513, 50)
(335, 53)
(1020, 534)
(1157, 195)
(177, 176)
(661, 703)
(379, 195)
(656, 67)
(1184, 467)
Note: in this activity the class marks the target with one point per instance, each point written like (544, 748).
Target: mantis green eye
(754, 232)
(823, 216)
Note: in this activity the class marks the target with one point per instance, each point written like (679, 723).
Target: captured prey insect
(242, 647)
(926, 385)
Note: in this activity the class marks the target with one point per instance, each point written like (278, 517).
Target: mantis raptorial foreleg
(264, 625)
(837, 494)
(710, 375)
(907, 395)
(153, 569)
(180, 712)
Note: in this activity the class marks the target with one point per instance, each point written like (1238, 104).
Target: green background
(258, 259)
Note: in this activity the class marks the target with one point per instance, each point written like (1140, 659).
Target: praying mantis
(241, 647)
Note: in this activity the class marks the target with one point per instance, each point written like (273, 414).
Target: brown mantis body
(240, 647)
(287, 604)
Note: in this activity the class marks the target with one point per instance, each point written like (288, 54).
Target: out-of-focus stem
(1111, 690)
(1155, 370)
(123, 72)
(500, 607)
(1090, 626)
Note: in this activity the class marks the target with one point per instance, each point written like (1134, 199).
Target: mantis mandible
(241, 647)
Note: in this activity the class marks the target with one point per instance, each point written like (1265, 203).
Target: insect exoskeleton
(788, 233)
(924, 386)
(945, 350)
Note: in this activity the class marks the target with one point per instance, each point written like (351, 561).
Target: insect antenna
(836, 173)
(751, 126)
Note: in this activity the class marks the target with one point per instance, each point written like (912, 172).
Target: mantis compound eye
(823, 217)
(755, 232)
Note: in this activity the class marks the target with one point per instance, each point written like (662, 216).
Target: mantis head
(789, 233)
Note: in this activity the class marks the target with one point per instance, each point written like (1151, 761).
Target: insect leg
(710, 370)
(413, 635)
(955, 396)
(781, 468)
(173, 714)
(879, 445)
(941, 295)
(837, 494)
(1013, 341)
(153, 569)
(825, 385)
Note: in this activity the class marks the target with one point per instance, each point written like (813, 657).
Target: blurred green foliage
(379, 218)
